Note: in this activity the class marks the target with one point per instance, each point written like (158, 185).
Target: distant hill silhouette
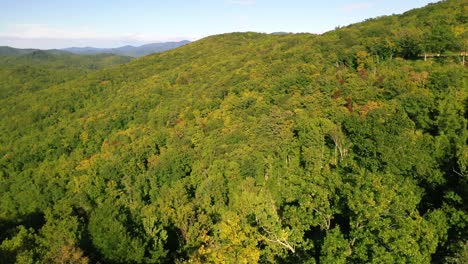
(8, 51)
(128, 50)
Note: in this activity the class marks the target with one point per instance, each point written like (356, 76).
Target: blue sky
(111, 23)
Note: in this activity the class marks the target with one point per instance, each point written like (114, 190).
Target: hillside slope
(9, 51)
(247, 147)
(25, 70)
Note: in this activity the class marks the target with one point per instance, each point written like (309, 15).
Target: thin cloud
(30, 31)
(242, 2)
(356, 6)
(44, 36)
(40, 31)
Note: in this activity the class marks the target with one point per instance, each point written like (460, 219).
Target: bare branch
(459, 173)
(283, 242)
(326, 218)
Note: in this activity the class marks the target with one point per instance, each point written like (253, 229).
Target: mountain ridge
(129, 50)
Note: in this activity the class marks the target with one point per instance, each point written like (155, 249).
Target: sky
(47, 24)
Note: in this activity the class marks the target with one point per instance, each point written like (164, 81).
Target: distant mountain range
(128, 50)
(9, 51)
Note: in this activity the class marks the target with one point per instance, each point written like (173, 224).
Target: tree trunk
(464, 53)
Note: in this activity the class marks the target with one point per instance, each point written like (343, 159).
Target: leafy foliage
(244, 147)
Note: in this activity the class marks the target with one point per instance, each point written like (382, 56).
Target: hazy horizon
(110, 47)
(108, 24)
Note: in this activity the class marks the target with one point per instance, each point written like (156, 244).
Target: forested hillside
(346, 147)
(28, 70)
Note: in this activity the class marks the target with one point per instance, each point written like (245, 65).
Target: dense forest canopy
(27, 70)
(346, 147)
